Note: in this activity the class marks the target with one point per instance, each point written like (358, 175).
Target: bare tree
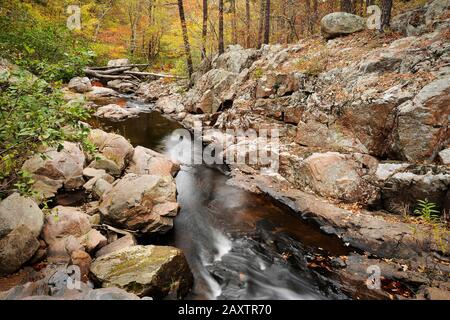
(247, 23)
(134, 11)
(233, 21)
(187, 46)
(347, 6)
(261, 22)
(221, 40)
(267, 23)
(204, 27)
(386, 8)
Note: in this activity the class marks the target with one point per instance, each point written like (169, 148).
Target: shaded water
(238, 245)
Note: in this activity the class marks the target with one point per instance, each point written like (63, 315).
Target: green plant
(427, 210)
(24, 184)
(34, 115)
(258, 73)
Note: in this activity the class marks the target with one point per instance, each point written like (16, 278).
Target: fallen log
(101, 76)
(151, 74)
(126, 66)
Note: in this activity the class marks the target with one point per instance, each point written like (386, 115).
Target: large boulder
(16, 211)
(153, 271)
(341, 23)
(145, 203)
(56, 169)
(339, 176)
(147, 161)
(16, 248)
(80, 85)
(115, 151)
(67, 230)
(422, 123)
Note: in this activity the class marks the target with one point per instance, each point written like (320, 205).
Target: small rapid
(239, 245)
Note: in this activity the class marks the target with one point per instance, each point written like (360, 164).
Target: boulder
(67, 230)
(170, 104)
(16, 211)
(58, 169)
(115, 112)
(95, 175)
(118, 63)
(80, 85)
(422, 123)
(339, 176)
(100, 187)
(16, 248)
(124, 242)
(444, 156)
(147, 161)
(145, 203)
(102, 96)
(153, 271)
(83, 261)
(341, 23)
(115, 151)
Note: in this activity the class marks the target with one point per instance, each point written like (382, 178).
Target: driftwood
(106, 227)
(151, 74)
(106, 74)
(126, 66)
(107, 77)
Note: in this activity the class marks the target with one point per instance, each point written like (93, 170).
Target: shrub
(33, 115)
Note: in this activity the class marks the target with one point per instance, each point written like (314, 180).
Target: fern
(427, 210)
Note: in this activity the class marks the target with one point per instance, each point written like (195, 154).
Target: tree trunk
(261, 23)
(247, 23)
(187, 46)
(233, 21)
(204, 28)
(347, 6)
(308, 16)
(386, 8)
(267, 23)
(221, 40)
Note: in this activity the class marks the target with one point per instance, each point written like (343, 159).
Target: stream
(239, 245)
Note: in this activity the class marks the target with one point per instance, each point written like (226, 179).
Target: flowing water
(238, 245)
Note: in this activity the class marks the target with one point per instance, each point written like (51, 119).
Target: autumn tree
(187, 46)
